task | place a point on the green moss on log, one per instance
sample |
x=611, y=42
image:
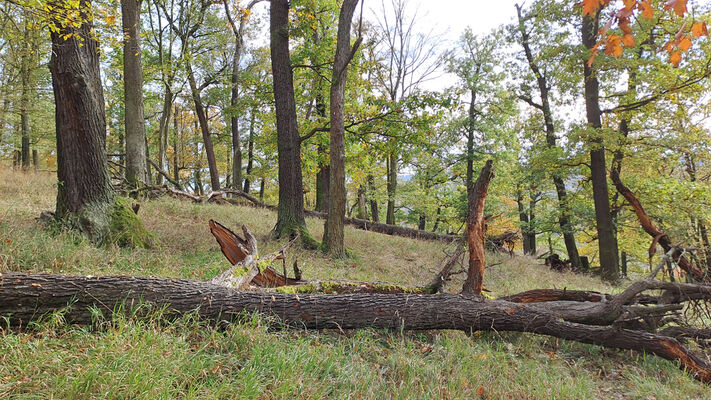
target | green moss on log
x=126, y=229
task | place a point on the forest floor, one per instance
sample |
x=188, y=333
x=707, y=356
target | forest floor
x=147, y=358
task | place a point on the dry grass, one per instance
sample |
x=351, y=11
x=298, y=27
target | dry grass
x=187, y=359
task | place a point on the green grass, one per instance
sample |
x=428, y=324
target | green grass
x=147, y=358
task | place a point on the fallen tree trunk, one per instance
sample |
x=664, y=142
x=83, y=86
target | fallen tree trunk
x=26, y=298
x=392, y=230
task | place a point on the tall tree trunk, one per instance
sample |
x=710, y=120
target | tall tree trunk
x=525, y=228
x=290, y=216
x=598, y=172
x=163, y=128
x=531, y=217
x=391, y=186
x=204, y=127
x=323, y=175
x=84, y=193
x=323, y=178
x=234, y=117
x=261, y=190
x=362, y=207
x=543, y=88
x=25, y=72
x=333, y=228
x=136, y=163
x=176, y=166
x=250, y=151
x=375, y=214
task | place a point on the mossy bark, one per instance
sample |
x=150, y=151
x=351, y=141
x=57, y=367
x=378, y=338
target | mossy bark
x=126, y=229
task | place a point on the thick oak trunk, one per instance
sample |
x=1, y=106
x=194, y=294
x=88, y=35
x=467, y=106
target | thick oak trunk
x=26, y=298
x=84, y=192
x=290, y=214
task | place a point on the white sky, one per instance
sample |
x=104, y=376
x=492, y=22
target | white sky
x=454, y=16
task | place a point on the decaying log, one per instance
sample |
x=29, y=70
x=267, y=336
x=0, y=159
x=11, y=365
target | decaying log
x=654, y=231
x=25, y=298
x=476, y=230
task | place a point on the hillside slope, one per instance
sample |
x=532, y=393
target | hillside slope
x=144, y=358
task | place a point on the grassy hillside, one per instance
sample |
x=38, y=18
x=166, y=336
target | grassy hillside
x=146, y=358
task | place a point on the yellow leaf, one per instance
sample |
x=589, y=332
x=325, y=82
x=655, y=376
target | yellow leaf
x=111, y=20
x=699, y=29
x=675, y=58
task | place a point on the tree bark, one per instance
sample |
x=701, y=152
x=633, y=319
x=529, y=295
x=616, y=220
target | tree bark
x=26, y=298
x=290, y=216
x=136, y=163
x=476, y=230
x=25, y=77
x=605, y=229
x=333, y=228
x=84, y=192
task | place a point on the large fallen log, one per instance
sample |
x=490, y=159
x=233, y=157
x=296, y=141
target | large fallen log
x=26, y=298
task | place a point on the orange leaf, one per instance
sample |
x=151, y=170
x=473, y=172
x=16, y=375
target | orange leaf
x=628, y=40
x=685, y=44
x=591, y=6
x=679, y=6
x=480, y=391
x=675, y=58
x=699, y=29
x=613, y=46
x=625, y=26
x=629, y=4
x=647, y=10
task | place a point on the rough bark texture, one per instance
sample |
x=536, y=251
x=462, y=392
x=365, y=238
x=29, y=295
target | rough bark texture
x=84, y=193
x=333, y=227
x=26, y=298
x=543, y=88
x=136, y=164
x=598, y=172
x=476, y=230
x=290, y=214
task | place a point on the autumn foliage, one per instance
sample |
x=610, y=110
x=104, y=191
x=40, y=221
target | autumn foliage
x=612, y=42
